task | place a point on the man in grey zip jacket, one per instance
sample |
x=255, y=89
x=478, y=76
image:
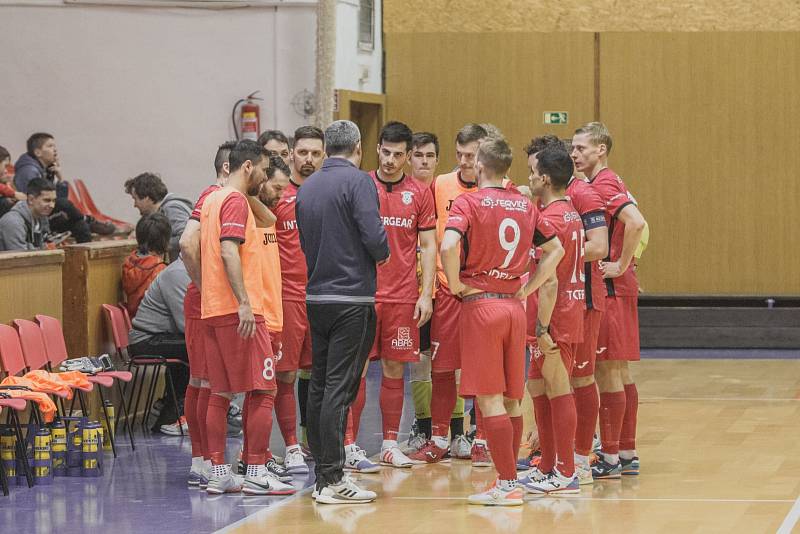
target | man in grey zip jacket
x=25, y=226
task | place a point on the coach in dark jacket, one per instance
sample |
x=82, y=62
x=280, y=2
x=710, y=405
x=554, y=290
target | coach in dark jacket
x=342, y=235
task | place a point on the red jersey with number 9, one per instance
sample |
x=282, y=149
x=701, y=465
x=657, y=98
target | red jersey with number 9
x=566, y=324
x=496, y=226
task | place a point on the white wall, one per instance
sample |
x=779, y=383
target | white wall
x=126, y=90
x=356, y=69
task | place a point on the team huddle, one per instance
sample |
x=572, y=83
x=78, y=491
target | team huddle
x=479, y=274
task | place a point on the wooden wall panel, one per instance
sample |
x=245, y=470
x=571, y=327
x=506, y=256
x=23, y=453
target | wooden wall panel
x=30, y=284
x=705, y=129
x=439, y=82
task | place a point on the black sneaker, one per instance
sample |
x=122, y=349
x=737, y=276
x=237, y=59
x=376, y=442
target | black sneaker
x=630, y=467
x=604, y=470
x=278, y=471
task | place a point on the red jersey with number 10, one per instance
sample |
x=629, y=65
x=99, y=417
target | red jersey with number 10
x=294, y=273
x=592, y=211
x=497, y=232
x=406, y=209
x=566, y=324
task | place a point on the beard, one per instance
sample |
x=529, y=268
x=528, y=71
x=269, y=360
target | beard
x=307, y=170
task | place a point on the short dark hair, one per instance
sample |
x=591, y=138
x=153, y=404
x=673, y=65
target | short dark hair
x=423, y=138
x=396, y=132
x=538, y=144
x=269, y=135
x=308, y=132
x=495, y=154
x=555, y=162
x=38, y=185
x=147, y=185
x=470, y=133
x=277, y=163
x=223, y=152
x=36, y=141
x=152, y=234
x=4, y=153
x=245, y=150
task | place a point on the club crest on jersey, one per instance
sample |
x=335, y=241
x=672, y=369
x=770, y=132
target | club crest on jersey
x=403, y=339
x=408, y=197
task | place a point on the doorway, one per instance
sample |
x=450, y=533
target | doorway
x=367, y=111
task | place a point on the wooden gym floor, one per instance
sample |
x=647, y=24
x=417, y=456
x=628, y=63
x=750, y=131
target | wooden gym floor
x=718, y=444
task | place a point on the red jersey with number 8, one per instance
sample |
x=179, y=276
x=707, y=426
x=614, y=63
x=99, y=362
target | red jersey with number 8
x=496, y=226
x=566, y=324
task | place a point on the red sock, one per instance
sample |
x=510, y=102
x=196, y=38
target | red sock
x=217, y=427
x=286, y=412
x=443, y=400
x=544, y=425
x=478, y=423
x=358, y=406
x=587, y=405
x=627, y=436
x=391, y=406
x=190, y=412
x=202, y=410
x=349, y=437
x=500, y=436
x=244, y=425
x=612, y=411
x=564, y=421
x=516, y=424
x=258, y=427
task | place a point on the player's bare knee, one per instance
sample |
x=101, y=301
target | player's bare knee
x=392, y=369
x=625, y=373
x=286, y=377
x=582, y=381
x=536, y=387
x=421, y=371
x=491, y=405
x=513, y=407
x=195, y=382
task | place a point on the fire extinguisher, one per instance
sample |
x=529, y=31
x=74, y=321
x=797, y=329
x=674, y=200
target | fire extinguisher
x=249, y=125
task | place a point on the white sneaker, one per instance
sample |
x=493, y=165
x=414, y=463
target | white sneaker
x=222, y=481
x=265, y=483
x=531, y=476
x=584, y=474
x=394, y=457
x=295, y=462
x=498, y=496
x=461, y=447
x=345, y=492
x=356, y=460
x=555, y=483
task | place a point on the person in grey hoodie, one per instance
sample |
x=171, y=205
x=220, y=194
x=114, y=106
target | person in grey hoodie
x=25, y=226
x=41, y=161
x=149, y=195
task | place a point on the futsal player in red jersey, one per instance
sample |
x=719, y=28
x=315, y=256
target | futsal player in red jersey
x=591, y=208
x=559, y=328
x=485, y=251
x=308, y=153
x=406, y=208
x=618, y=342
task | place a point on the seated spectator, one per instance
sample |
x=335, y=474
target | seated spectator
x=8, y=195
x=144, y=263
x=150, y=195
x=41, y=161
x=158, y=331
x=25, y=226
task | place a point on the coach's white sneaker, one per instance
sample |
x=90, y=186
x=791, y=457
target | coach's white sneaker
x=345, y=492
x=295, y=462
x=222, y=481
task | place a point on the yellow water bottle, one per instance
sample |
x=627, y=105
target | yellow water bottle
x=109, y=427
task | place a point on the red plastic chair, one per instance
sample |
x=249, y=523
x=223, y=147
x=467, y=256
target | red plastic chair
x=118, y=328
x=56, y=348
x=92, y=208
x=13, y=363
x=125, y=315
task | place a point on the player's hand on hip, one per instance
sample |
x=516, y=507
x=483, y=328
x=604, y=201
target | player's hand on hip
x=610, y=269
x=423, y=310
x=546, y=344
x=247, y=322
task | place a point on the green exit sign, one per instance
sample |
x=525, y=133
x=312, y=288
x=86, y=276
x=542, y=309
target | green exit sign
x=556, y=117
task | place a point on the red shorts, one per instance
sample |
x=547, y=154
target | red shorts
x=493, y=358
x=295, y=338
x=396, y=333
x=585, y=352
x=619, y=330
x=195, y=334
x=445, y=342
x=567, y=351
x=277, y=347
x=237, y=365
